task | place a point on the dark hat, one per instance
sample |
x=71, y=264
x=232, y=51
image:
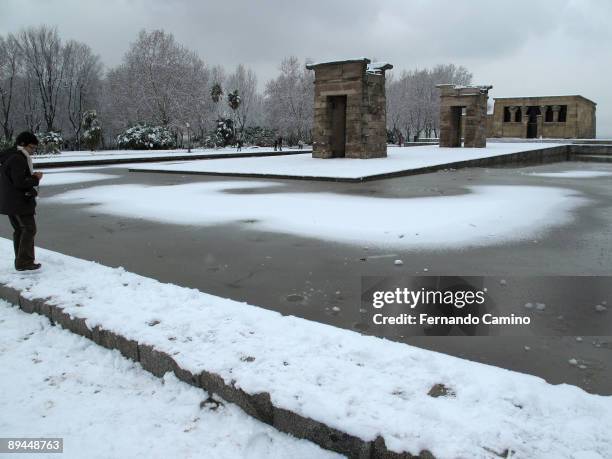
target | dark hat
x=26, y=138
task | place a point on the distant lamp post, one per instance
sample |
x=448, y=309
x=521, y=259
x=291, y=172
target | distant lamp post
x=188, y=138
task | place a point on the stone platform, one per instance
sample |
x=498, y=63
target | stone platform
x=399, y=162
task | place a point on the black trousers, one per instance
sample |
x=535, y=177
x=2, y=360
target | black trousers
x=24, y=227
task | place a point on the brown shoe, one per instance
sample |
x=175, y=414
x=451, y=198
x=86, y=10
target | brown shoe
x=32, y=267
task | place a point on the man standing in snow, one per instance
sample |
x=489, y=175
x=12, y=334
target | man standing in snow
x=18, y=197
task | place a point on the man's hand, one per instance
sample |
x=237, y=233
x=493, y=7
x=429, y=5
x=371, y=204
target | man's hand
x=38, y=175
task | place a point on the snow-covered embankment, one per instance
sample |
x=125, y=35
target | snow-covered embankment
x=350, y=393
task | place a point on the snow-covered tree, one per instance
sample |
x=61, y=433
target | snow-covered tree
x=82, y=80
x=45, y=84
x=46, y=59
x=413, y=101
x=31, y=105
x=216, y=93
x=234, y=102
x=10, y=68
x=289, y=100
x=161, y=82
x=244, y=81
x=92, y=131
x=441, y=74
x=49, y=142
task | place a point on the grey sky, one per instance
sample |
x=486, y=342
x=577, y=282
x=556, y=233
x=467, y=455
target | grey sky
x=522, y=47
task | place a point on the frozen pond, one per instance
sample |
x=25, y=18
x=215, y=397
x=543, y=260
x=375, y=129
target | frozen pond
x=248, y=242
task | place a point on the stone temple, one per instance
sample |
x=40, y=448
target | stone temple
x=350, y=111
x=561, y=117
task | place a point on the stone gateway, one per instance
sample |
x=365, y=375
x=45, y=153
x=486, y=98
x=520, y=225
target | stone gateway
x=350, y=117
x=453, y=125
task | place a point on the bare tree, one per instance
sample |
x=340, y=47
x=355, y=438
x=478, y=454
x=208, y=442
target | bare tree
x=45, y=60
x=413, y=101
x=10, y=67
x=118, y=109
x=82, y=79
x=244, y=81
x=394, y=104
x=31, y=106
x=442, y=74
x=290, y=100
x=161, y=82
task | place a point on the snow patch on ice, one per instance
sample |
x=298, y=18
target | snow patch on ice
x=66, y=178
x=484, y=215
x=571, y=174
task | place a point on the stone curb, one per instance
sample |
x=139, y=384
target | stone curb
x=257, y=405
x=101, y=162
x=524, y=158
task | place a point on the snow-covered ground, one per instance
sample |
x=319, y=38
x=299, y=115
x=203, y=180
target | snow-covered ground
x=85, y=156
x=482, y=215
x=363, y=385
x=56, y=384
x=398, y=159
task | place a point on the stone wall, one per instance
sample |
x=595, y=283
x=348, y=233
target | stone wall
x=374, y=109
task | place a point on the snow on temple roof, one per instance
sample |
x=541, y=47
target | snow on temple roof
x=341, y=61
x=378, y=67
x=372, y=67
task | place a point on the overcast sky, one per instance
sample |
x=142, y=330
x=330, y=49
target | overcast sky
x=521, y=47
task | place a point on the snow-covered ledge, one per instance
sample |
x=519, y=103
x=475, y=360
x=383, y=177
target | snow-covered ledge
x=358, y=395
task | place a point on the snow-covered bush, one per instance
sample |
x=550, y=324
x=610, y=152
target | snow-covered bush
x=92, y=131
x=225, y=132
x=210, y=141
x=49, y=142
x=260, y=136
x=6, y=143
x=144, y=137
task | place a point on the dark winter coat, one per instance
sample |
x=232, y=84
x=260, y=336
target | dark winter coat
x=17, y=193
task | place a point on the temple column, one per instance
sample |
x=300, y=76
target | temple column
x=556, y=109
x=513, y=110
x=541, y=119
x=524, y=114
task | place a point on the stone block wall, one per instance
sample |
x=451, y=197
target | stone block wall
x=365, y=129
